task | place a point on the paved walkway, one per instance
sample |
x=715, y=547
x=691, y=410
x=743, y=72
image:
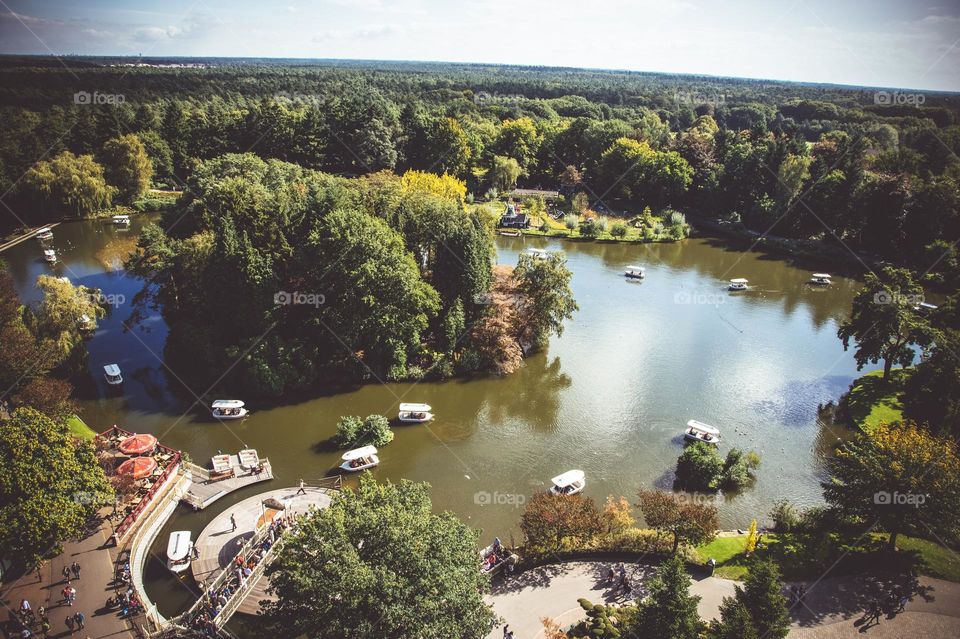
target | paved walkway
x=833, y=608
x=95, y=555
x=219, y=542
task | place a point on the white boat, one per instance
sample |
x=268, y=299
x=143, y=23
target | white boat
x=249, y=458
x=179, y=549
x=44, y=234
x=737, y=284
x=925, y=307
x=228, y=409
x=539, y=254
x=634, y=272
x=360, y=459
x=121, y=220
x=820, y=279
x=221, y=463
x=700, y=432
x=50, y=255
x=569, y=483
x=87, y=323
x=415, y=413
x=112, y=374
x=495, y=557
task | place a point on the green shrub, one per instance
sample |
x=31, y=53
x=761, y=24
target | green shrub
x=619, y=229
x=571, y=222
x=352, y=432
x=700, y=467
x=784, y=515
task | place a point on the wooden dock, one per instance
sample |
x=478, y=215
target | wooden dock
x=205, y=490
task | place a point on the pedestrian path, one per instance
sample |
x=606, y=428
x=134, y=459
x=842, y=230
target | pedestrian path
x=95, y=556
x=832, y=608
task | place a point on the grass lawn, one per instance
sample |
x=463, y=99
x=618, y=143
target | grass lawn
x=926, y=557
x=871, y=402
x=80, y=429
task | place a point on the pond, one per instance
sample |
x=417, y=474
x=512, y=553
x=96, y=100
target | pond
x=610, y=397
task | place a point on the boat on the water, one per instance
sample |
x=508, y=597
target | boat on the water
x=738, y=284
x=495, y=557
x=820, y=279
x=634, y=272
x=569, y=483
x=228, y=409
x=44, y=234
x=539, y=254
x=415, y=413
x=179, y=549
x=121, y=220
x=700, y=432
x=49, y=255
x=111, y=372
x=360, y=459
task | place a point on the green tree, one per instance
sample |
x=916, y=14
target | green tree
x=69, y=181
x=699, y=467
x=504, y=173
x=735, y=622
x=685, y=520
x=518, y=139
x=882, y=321
x=762, y=596
x=543, y=285
x=51, y=484
x=59, y=316
x=379, y=563
x=898, y=477
x=127, y=166
x=669, y=611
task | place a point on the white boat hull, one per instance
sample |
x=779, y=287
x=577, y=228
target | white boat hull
x=240, y=415
x=345, y=466
x=410, y=419
x=693, y=438
x=573, y=491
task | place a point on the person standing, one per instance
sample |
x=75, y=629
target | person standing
x=233, y=522
x=75, y=569
x=70, y=621
x=302, y=490
x=80, y=619
x=45, y=626
x=66, y=572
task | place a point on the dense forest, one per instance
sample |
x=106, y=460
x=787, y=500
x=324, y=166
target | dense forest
x=353, y=182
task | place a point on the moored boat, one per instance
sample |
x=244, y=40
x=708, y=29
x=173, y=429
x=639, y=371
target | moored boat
x=44, y=234
x=495, y=557
x=111, y=372
x=179, y=549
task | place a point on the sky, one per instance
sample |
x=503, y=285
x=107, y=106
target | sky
x=887, y=43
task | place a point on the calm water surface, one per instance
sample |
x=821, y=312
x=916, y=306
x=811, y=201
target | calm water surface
x=610, y=396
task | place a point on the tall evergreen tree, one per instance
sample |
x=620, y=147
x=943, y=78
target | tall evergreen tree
x=669, y=612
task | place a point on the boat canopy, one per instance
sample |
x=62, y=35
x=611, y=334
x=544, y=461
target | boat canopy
x=927, y=306
x=121, y=218
x=359, y=453
x=179, y=545
x=537, y=252
x=45, y=229
x=49, y=252
x=112, y=370
x=568, y=478
x=739, y=280
x=227, y=403
x=703, y=428
x=822, y=276
x=414, y=408
x=249, y=457
x=220, y=463
x=634, y=268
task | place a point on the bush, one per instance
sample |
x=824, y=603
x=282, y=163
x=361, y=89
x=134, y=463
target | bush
x=784, y=515
x=571, y=222
x=675, y=218
x=700, y=467
x=619, y=229
x=594, y=227
x=492, y=194
x=352, y=432
x=738, y=468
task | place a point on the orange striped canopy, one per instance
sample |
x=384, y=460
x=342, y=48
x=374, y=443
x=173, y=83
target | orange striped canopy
x=139, y=467
x=138, y=444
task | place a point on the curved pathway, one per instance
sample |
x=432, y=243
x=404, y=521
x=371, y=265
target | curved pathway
x=832, y=609
x=219, y=542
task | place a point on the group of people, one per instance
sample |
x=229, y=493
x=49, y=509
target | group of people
x=496, y=555
x=893, y=603
x=215, y=599
x=27, y=622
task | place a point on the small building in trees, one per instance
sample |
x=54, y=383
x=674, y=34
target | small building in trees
x=513, y=219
